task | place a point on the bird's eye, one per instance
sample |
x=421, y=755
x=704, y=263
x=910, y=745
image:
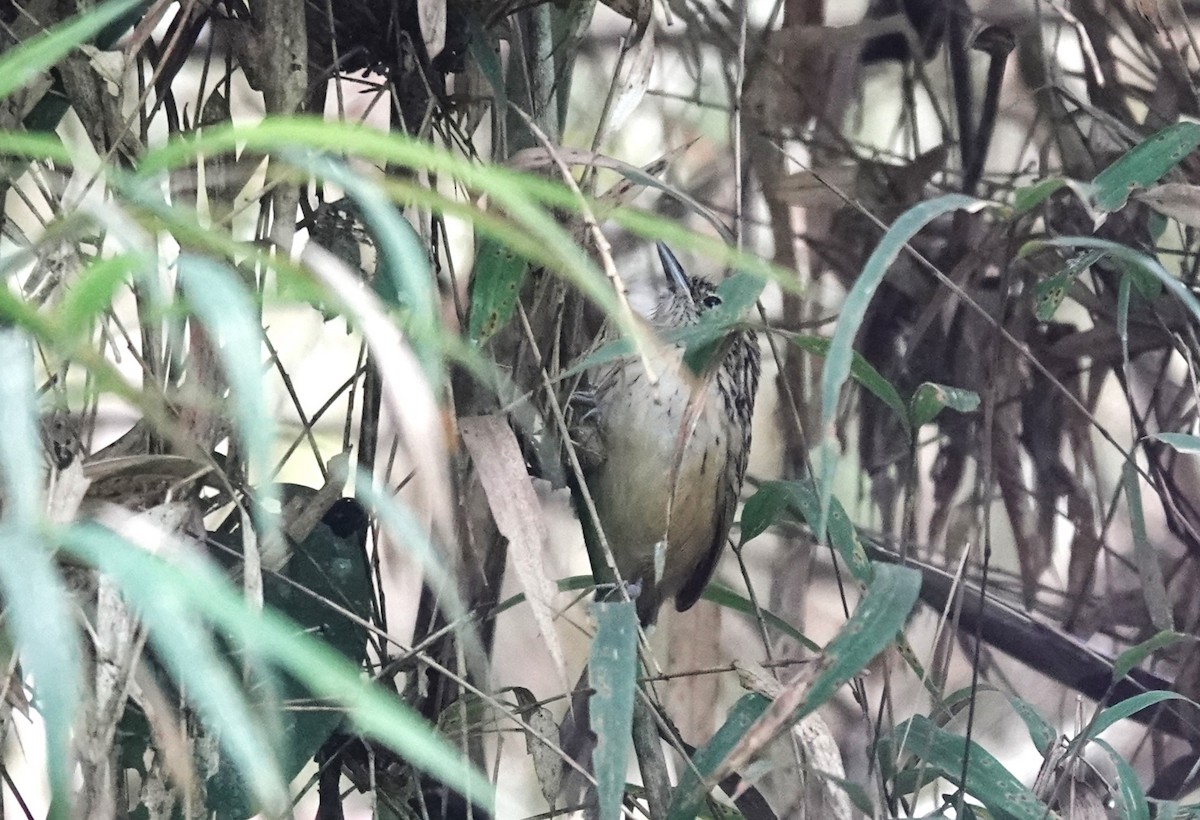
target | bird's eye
x=711, y=301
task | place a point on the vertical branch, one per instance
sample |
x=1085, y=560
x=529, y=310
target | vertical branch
x=281, y=41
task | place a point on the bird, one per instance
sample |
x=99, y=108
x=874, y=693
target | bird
x=670, y=456
x=672, y=450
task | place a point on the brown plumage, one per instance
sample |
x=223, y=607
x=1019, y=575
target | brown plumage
x=671, y=459
x=673, y=453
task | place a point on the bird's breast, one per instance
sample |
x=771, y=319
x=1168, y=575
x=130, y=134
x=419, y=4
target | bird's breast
x=666, y=453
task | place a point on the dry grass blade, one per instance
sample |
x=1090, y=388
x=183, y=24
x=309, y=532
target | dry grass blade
x=514, y=504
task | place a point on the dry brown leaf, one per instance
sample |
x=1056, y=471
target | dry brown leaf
x=547, y=763
x=514, y=504
x=820, y=796
x=633, y=78
x=1177, y=200
x=639, y=12
x=786, y=700
x=300, y=519
x=115, y=649
x=1152, y=10
x=431, y=14
x=823, y=188
x=66, y=492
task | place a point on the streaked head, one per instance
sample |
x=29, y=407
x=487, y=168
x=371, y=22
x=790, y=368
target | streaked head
x=686, y=298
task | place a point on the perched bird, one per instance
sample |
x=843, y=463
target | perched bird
x=672, y=453
x=670, y=459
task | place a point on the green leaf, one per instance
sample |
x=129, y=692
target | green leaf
x=726, y=597
x=94, y=291
x=200, y=590
x=1134, y=655
x=854, y=310
x=875, y=623
x=1131, y=798
x=38, y=612
x=534, y=229
x=930, y=399
x=189, y=654
x=324, y=587
x=219, y=300
x=1180, y=442
x=1041, y=732
x=33, y=146
x=703, y=340
x=1154, y=589
x=688, y=796
x=862, y=372
x=986, y=778
x=1124, y=289
x=1027, y=198
x=1144, y=164
x=880, y=615
x=406, y=276
x=20, y=65
x=1131, y=706
x=1048, y=294
x=798, y=497
x=1145, y=264
x=495, y=285
x=612, y=670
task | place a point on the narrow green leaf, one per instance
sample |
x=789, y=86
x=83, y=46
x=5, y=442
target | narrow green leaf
x=726, y=597
x=1126, y=708
x=763, y=509
x=327, y=569
x=987, y=780
x=93, y=292
x=1145, y=164
x=798, y=497
x=1041, y=732
x=875, y=623
x=1146, y=264
x=1171, y=810
x=862, y=372
x=190, y=655
x=1134, y=655
x=1154, y=589
x=508, y=191
x=495, y=285
x=219, y=300
x=688, y=794
x=612, y=669
x=1180, y=442
x=1027, y=198
x=854, y=310
x=1049, y=293
x=20, y=65
x=1131, y=798
x=407, y=278
x=880, y=615
x=34, y=146
x=38, y=612
x=704, y=340
x=930, y=399
x=1123, y=292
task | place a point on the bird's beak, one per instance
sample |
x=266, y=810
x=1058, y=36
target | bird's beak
x=677, y=280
